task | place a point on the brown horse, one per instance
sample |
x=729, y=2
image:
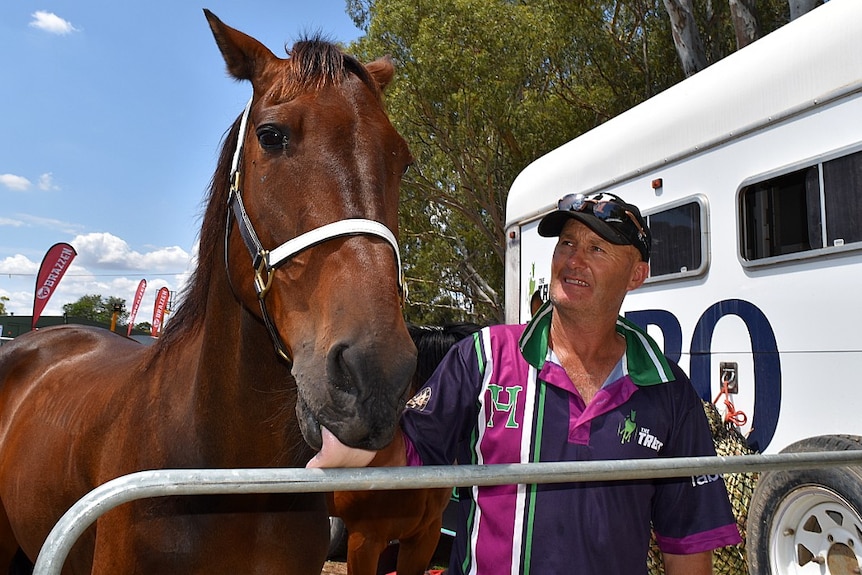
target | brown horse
x=412, y=516
x=314, y=152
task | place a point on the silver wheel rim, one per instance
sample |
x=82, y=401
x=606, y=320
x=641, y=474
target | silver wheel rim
x=815, y=531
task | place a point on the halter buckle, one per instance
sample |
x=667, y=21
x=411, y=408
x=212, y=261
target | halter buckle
x=262, y=275
x=234, y=186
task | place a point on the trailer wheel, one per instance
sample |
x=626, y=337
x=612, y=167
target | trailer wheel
x=808, y=521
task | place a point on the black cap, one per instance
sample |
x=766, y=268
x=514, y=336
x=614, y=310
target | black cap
x=606, y=214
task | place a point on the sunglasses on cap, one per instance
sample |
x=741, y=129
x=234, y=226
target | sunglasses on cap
x=605, y=210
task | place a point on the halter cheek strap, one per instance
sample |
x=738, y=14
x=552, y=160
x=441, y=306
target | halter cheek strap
x=265, y=262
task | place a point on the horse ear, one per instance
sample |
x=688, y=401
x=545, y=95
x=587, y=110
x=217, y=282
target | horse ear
x=245, y=57
x=382, y=70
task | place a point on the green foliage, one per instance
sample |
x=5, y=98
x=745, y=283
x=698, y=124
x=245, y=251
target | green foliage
x=96, y=308
x=484, y=87
x=3, y=300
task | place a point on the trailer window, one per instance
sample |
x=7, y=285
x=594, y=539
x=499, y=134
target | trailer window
x=808, y=209
x=677, y=241
x=842, y=180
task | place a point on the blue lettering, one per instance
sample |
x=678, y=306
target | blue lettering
x=767, y=364
x=667, y=323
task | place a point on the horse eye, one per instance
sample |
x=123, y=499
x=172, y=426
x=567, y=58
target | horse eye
x=271, y=138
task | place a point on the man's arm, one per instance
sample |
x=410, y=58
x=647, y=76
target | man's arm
x=694, y=564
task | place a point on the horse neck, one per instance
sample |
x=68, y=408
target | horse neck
x=244, y=394
x=232, y=345
x=393, y=455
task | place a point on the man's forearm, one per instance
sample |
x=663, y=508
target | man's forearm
x=694, y=564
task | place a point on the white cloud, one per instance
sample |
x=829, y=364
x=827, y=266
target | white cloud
x=18, y=264
x=46, y=182
x=13, y=182
x=51, y=23
x=10, y=223
x=21, y=184
x=50, y=223
x=104, y=250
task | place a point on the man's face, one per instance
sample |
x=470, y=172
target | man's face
x=590, y=275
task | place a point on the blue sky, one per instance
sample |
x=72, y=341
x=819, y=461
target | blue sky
x=112, y=117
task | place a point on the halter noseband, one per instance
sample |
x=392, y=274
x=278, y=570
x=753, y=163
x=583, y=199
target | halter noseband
x=265, y=262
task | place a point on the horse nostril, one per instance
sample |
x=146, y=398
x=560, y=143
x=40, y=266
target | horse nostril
x=338, y=369
x=365, y=375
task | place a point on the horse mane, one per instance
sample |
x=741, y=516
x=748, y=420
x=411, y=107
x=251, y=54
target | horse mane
x=210, y=247
x=313, y=64
x=433, y=342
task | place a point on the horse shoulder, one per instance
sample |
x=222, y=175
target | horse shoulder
x=65, y=385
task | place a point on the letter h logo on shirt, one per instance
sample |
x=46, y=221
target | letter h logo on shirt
x=497, y=405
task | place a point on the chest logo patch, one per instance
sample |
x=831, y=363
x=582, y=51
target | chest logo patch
x=627, y=427
x=420, y=401
x=628, y=430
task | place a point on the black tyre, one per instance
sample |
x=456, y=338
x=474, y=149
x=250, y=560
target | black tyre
x=808, y=521
x=337, y=539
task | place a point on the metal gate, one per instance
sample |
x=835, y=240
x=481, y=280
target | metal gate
x=160, y=483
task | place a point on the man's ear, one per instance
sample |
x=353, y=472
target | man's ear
x=640, y=272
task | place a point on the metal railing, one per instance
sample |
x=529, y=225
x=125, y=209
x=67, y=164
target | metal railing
x=165, y=482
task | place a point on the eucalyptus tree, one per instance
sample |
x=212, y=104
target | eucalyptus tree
x=483, y=87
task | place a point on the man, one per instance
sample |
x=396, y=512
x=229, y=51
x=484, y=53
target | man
x=577, y=383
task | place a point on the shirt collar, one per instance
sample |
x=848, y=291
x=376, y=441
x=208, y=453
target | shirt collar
x=645, y=362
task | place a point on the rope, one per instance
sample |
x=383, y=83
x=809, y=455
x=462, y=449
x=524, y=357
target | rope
x=731, y=414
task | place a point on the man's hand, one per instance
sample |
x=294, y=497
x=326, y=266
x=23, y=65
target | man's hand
x=694, y=564
x=333, y=453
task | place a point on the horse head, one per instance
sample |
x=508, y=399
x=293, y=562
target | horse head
x=310, y=245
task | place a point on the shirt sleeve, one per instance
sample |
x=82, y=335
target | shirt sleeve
x=691, y=514
x=440, y=417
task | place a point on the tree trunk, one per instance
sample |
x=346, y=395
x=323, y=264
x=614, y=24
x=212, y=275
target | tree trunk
x=800, y=7
x=686, y=38
x=744, y=22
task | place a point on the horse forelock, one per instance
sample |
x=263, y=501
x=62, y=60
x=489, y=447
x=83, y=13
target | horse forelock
x=315, y=63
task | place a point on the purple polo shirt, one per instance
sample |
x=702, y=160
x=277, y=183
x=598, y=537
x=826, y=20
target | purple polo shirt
x=496, y=398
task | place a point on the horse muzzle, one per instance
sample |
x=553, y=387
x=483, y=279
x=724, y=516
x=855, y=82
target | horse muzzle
x=360, y=401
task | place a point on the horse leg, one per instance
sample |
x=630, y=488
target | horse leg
x=415, y=553
x=363, y=553
x=8, y=544
x=417, y=548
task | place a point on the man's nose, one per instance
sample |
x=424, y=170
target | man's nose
x=575, y=257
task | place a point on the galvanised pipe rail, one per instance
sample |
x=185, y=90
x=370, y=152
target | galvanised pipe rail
x=164, y=482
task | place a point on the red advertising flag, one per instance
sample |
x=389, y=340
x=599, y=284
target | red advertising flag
x=139, y=295
x=159, y=311
x=55, y=263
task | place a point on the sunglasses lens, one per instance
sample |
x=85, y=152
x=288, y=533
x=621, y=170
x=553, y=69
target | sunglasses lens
x=605, y=210
x=571, y=202
x=616, y=215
